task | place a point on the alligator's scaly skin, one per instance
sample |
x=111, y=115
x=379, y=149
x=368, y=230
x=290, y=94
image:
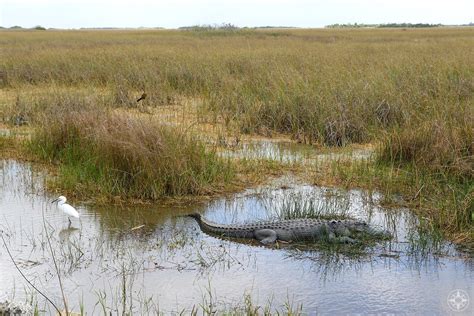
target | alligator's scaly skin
x=344, y=231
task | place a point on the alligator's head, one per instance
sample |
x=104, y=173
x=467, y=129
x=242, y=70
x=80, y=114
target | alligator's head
x=361, y=227
x=374, y=231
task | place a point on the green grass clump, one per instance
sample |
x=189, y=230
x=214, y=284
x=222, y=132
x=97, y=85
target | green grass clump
x=300, y=205
x=442, y=200
x=108, y=154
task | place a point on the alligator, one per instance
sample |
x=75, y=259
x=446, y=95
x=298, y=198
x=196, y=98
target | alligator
x=269, y=232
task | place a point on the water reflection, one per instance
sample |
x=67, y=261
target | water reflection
x=66, y=233
x=160, y=258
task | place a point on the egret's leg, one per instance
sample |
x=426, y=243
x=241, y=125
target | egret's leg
x=69, y=222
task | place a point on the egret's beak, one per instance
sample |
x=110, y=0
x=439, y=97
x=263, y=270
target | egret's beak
x=54, y=201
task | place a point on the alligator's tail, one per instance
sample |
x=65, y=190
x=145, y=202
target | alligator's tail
x=221, y=229
x=196, y=216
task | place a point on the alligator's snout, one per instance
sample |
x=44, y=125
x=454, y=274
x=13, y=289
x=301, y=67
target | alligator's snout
x=376, y=231
x=380, y=232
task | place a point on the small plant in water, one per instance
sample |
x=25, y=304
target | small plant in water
x=305, y=205
x=425, y=239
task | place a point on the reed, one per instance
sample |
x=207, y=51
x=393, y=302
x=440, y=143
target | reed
x=108, y=154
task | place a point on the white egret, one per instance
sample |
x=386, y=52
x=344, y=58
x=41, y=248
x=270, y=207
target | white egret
x=66, y=208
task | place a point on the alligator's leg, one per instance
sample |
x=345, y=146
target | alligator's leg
x=332, y=237
x=346, y=240
x=341, y=239
x=266, y=236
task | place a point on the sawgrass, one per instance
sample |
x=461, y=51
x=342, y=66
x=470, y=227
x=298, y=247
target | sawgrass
x=104, y=155
x=325, y=86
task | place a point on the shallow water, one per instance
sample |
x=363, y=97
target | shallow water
x=290, y=152
x=108, y=262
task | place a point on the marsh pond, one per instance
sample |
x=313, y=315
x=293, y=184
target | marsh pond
x=152, y=259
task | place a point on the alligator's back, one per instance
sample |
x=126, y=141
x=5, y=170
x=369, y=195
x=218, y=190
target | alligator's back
x=285, y=229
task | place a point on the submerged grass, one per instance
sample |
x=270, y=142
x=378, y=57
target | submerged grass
x=108, y=154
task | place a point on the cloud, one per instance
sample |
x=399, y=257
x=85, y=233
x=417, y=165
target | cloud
x=167, y=13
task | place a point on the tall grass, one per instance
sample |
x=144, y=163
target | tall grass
x=432, y=160
x=108, y=154
x=322, y=86
x=441, y=146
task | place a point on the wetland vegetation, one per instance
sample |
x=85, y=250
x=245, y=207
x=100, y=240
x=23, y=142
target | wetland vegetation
x=409, y=92
x=385, y=110
x=121, y=155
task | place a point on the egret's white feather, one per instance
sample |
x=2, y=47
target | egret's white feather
x=69, y=210
x=66, y=208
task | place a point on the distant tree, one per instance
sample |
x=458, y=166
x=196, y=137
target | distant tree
x=39, y=28
x=16, y=27
x=409, y=25
x=211, y=27
x=385, y=25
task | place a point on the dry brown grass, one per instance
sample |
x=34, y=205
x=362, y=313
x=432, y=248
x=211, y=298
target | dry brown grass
x=109, y=154
x=435, y=146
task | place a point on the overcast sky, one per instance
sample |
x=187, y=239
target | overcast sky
x=172, y=14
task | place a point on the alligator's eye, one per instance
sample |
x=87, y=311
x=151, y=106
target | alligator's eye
x=333, y=222
x=364, y=223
